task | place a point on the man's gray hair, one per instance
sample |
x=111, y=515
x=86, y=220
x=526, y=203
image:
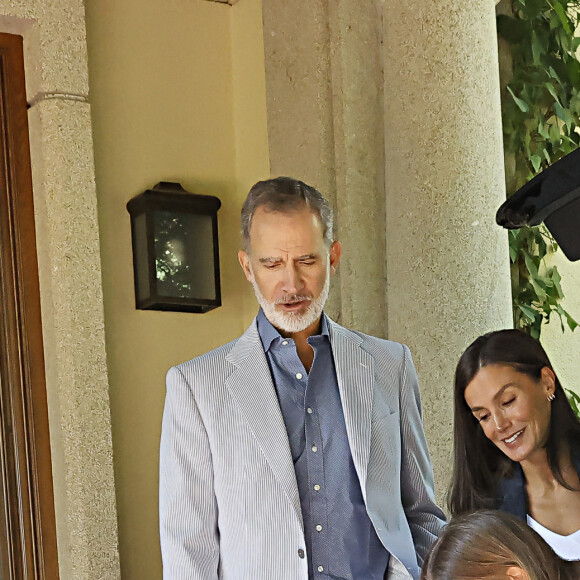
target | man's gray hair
x=286, y=195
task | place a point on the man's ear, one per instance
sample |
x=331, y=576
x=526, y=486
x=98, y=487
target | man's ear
x=334, y=255
x=244, y=260
x=516, y=573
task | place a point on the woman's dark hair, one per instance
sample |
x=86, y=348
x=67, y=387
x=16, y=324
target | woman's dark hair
x=485, y=544
x=478, y=464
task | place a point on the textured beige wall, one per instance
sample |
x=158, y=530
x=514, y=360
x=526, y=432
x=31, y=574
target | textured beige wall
x=325, y=123
x=55, y=43
x=447, y=261
x=177, y=93
x=70, y=282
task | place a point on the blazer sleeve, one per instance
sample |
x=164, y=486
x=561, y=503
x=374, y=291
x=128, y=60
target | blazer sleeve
x=417, y=486
x=187, y=505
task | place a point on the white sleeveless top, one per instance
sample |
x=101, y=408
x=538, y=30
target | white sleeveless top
x=567, y=547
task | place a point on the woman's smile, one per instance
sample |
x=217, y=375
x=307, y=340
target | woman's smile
x=512, y=408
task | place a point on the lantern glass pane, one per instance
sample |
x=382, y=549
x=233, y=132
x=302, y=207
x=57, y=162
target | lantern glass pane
x=141, y=256
x=184, y=255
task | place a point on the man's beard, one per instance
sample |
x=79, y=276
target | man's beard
x=293, y=322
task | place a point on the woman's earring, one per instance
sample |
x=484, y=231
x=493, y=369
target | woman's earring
x=551, y=396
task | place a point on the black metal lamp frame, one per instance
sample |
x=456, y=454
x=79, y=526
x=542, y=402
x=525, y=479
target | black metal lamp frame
x=170, y=199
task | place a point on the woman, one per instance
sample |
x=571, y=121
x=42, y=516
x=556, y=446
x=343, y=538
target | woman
x=516, y=439
x=493, y=544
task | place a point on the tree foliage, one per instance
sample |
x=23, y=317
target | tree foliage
x=541, y=120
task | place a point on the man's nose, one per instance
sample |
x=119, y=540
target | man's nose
x=292, y=282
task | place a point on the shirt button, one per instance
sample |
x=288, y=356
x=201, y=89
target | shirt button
x=301, y=553
x=319, y=528
x=316, y=487
x=284, y=342
x=314, y=448
x=298, y=376
x=320, y=568
x=309, y=411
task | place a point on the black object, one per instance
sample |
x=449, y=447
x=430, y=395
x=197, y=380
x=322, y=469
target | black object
x=175, y=249
x=552, y=197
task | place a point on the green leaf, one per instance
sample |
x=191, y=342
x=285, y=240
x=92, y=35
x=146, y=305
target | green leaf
x=541, y=294
x=523, y=106
x=552, y=91
x=556, y=279
x=547, y=156
x=536, y=161
x=553, y=74
x=555, y=133
x=561, y=12
x=561, y=313
x=543, y=131
x=574, y=401
x=535, y=328
x=542, y=247
x=572, y=324
x=574, y=103
x=528, y=312
x=537, y=48
x=563, y=114
x=565, y=42
x=532, y=268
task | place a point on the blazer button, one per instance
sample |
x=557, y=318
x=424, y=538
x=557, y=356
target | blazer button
x=301, y=553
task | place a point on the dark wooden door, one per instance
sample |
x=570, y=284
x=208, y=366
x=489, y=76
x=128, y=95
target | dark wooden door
x=27, y=526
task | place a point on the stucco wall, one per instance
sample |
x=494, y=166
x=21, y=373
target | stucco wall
x=177, y=94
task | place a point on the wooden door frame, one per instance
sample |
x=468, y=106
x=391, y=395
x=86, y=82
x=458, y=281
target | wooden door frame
x=28, y=545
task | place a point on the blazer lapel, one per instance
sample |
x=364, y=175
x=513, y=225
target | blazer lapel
x=252, y=388
x=355, y=374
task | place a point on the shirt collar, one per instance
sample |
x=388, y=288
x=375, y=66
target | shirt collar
x=268, y=334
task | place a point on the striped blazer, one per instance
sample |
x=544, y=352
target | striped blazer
x=229, y=504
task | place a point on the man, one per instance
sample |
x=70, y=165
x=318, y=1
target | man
x=296, y=451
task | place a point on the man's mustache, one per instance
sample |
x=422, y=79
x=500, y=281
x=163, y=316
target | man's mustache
x=292, y=299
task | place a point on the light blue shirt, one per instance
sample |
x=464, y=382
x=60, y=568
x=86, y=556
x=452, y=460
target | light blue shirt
x=341, y=541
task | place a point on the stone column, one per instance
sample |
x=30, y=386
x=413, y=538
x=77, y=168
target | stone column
x=324, y=88
x=69, y=269
x=447, y=261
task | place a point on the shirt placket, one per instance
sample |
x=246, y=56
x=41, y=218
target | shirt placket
x=316, y=484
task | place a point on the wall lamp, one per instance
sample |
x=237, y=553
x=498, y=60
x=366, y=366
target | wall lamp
x=175, y=249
